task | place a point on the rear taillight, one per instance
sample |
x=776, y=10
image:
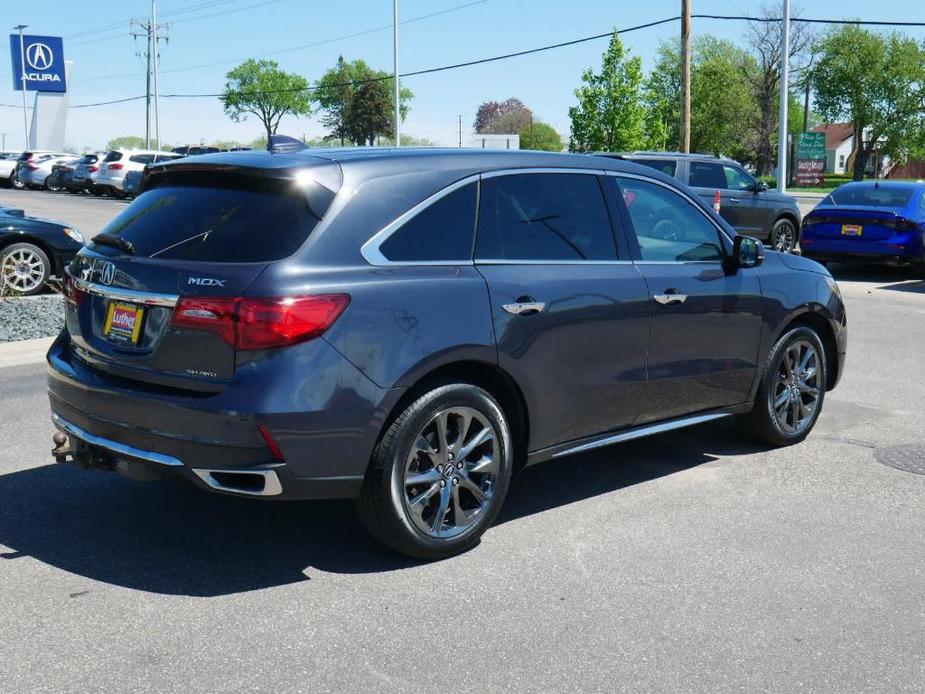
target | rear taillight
x=93, y=169
x=115, y=167
x=261, y=323
x=71, y=292
x=903, y=224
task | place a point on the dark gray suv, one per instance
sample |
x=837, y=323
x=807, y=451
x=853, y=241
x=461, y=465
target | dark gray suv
x=745, y=202
x=410, y=328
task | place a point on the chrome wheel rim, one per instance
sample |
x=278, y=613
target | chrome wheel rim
x=795, y=397
x=785, y=237
x=451, y=472
x=22, y=270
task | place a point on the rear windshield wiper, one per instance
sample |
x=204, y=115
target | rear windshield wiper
x=126, y=247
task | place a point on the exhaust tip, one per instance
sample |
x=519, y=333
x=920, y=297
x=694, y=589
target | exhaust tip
x=249, y=482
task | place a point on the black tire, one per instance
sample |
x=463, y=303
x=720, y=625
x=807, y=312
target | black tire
x=15, y=182
x=785, y=236
x=27, y=250
x=383, y=505
x=762, y=422
x=53, y=183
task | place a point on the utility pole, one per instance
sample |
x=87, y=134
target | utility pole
x=22, y=70
x=685, y=75
x=784, y=93
x=460, y=131
x=395, y=72
x=148, y=30
x=808, y=79
x=3, y=147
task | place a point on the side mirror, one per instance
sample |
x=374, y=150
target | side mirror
x=746, y=252
x=761, y=186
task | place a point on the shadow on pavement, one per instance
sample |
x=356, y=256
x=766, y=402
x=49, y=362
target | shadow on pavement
x=894, y=279
x=172, y=538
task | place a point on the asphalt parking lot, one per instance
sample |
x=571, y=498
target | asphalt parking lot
x=694, y=561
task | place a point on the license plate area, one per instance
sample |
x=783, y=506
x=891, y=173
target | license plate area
x=123, y=323
x=852, y=229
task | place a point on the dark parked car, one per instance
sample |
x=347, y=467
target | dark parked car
x=409, y=328
x=61, y=176
x=873, y=222
x=86, y=171
x=130, y=183
x=32, y=250
x=745, y=202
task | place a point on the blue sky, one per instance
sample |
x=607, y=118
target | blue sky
x=106, y=65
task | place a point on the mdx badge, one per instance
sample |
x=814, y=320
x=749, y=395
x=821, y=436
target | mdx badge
x=206, y=282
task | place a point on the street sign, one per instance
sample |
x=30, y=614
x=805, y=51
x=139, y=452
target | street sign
x=44, y=63
x=811, y=146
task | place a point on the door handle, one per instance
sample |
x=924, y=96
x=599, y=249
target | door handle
x=524, y=306
x=671, y=296
x=731, y=200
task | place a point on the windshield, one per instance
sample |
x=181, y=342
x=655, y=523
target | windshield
x=876, y=195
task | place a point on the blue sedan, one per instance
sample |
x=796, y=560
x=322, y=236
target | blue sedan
x=880, y=222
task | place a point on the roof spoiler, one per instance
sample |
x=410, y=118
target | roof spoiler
x=281, y=144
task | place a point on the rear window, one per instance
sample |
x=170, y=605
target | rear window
x=113, y=156
x=873, y=195
x=666, y=166
x=259, y=222
x=88, y=159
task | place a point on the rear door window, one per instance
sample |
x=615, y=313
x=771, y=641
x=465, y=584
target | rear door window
x=257, y=223
x=443, y=231
x=706, y=175
x=550, y=217
x=142, y=158
x=666, y=166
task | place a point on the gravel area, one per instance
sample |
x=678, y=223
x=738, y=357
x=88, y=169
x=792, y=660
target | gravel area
x=28, y=317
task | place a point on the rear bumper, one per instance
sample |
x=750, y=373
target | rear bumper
x=209, y=441
x=892, y=251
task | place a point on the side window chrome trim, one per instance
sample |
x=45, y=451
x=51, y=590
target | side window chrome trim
x=372, y=253
x=680, y=193
x=502, y=261
x=371, y=249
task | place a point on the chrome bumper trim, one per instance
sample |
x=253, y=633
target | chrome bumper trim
x=114, y=446
x=130, y=295
x=271, y=484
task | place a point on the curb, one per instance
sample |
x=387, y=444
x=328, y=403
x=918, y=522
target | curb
x=22, y=352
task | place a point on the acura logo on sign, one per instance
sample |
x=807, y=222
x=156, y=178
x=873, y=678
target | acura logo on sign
x=39, y=56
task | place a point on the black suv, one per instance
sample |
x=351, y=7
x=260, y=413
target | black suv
x=745, y=202
x=410, y=327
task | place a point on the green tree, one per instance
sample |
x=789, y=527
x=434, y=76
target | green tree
x=877, y=82
x=262, y=89
x=541, y=136
x=609, y=115
x=661, y=95
x=128, y=142
x=356, y=102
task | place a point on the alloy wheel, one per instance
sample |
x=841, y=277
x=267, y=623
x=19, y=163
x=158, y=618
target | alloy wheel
x=785, y=237
x=451, y=472
x=22, y=270
x=795, y=396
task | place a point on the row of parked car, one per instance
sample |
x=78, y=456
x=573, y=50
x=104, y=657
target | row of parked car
x=116, y=172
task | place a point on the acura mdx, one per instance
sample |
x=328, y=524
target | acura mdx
x=409, y=328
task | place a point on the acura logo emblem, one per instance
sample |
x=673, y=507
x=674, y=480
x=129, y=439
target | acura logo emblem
x=107, y=273
x=39, y=56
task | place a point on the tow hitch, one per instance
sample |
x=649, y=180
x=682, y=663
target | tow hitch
x=87, y=457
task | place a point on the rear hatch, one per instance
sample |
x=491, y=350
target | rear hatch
x=860, y=212
x=153, y=298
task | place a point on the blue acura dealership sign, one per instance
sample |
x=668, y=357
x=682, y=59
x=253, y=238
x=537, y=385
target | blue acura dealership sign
x=44, y=63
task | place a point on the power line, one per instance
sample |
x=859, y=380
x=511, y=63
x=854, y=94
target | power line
x=515, y=54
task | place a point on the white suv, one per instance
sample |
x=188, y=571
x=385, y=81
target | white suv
x=119, y=162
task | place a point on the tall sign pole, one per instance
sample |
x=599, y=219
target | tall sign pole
x=22, y=65
x=397, y=87
x=157, y=88
x=685, y=75
x=784, y=94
